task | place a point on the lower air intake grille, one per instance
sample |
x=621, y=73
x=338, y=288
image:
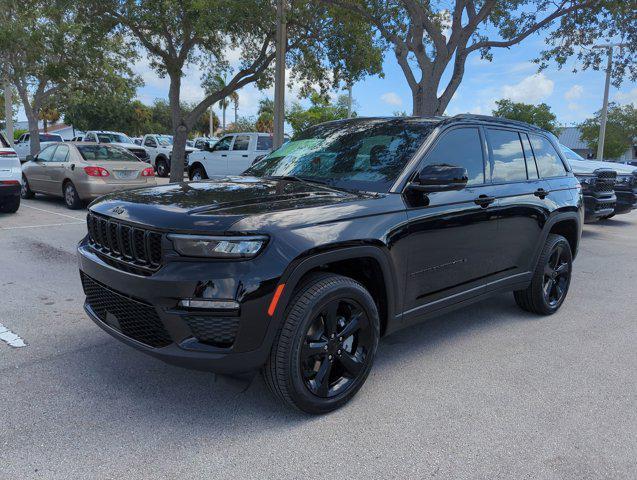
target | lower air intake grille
x=134, y=319
x=218, y=331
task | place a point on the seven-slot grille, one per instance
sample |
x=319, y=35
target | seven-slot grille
x=135, y=319
x=128, y=248
x=605, y=181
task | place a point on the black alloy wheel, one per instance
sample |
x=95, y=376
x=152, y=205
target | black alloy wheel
x=326, y=344
x=551, y=278
x=335, y=348
x=557, y=274
x=162, y=168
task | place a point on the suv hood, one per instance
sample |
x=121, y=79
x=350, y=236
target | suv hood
x=589, y=166
x=218, y=203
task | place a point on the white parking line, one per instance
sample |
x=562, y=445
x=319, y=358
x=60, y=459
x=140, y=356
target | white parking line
x=10, y=338
x=40, y=226
x=54, y=213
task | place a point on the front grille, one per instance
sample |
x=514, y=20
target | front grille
x=217, y=331
x=132, y=249
x=139, y=153
x=605, y=180
x=135, y=319
x=604, y=205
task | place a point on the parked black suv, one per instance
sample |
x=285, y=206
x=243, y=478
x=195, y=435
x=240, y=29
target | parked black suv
x=352, y=230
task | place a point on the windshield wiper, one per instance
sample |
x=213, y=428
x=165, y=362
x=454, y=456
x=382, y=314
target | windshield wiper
x=296, y=178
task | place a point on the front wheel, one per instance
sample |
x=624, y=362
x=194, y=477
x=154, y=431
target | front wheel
x=162, y=168
x=551, y=278
x=325, y=348
x=197, y=173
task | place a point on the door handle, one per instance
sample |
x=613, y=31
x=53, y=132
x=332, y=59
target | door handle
x=540, y=192
x=244, y=156
x=224, y=155
x=484, y=200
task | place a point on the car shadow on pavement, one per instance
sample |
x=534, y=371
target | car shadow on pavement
x=131, y=385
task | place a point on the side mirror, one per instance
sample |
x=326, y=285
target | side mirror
x=31, y=158
x=440, y=178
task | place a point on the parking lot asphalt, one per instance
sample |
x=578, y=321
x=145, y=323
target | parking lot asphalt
x=486, y=392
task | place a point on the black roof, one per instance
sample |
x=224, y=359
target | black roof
x=442, y=120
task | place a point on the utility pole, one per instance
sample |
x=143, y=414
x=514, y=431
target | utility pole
x=279, y=75
x=602, y=123
x=8, y=111
x=349, y=100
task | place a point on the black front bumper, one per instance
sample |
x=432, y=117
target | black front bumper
x=626, y=201
x=142, y=312
x=597, y=206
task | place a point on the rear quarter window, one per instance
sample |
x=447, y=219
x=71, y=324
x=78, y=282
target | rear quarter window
x=549, y=163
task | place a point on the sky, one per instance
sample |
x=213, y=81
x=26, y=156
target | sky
x=573, y=97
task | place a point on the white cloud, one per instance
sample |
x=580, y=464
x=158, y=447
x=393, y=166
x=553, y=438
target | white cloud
x=574, y=92
x=627, y=97
x=531, y=89
x=391, y=98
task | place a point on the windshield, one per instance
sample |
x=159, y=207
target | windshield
x=106, y=153
x=570, y=154
x=361, y=154
x=47, y=137
x=165, y=140
x=113, y=137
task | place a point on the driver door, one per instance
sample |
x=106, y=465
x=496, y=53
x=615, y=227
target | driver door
x=216, y=161
x=450, y=233
x=37, y=172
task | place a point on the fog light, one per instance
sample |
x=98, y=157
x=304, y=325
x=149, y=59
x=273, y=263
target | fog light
x=209, y=304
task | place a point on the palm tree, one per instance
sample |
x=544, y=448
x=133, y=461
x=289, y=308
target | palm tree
x=49, y=114
x=223, y=104
x=234, y=96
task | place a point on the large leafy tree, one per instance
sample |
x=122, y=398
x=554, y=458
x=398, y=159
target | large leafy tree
x=321, y=110
x=539, y=115
x=432, y=40
x=49, y=48
x=621, y=130
x=176, y=34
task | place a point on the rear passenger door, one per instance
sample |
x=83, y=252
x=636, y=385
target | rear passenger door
x=522, y=202
x=241, y=155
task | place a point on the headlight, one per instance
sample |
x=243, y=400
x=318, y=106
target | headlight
x=586, y=180
x=218, y=247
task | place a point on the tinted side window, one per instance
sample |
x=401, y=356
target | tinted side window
x=46, y=154
x=548, y=161
x=531, y=168
x=507, y=158
x=461, y=147
x=150, y=142
x=60, y=154
x=241, y=142
x=223, y=144
x=264, y=143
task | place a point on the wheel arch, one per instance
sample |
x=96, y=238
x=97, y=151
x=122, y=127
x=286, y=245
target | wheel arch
x=373, y=269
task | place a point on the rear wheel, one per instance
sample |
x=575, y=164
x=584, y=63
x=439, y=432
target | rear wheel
x=197, y=173
x=326, y=345
x=162, y=167
x=551, y=279
x=71, y=197
x=10, y=205
x=25, y=190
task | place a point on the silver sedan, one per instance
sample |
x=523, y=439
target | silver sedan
x=83, y=171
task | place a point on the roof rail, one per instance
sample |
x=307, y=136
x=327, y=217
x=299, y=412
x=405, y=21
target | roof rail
x=491, y=119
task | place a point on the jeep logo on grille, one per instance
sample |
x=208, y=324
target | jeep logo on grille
x=118, y=210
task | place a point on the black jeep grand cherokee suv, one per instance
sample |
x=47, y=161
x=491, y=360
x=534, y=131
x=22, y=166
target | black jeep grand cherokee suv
x=350, y=231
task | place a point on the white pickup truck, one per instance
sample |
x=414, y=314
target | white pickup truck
x=231, y=155
x=118, y=139
x=160, y=149
x=22, y=145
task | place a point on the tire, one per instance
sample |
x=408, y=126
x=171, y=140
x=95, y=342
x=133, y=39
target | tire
x=71, y=197
x=10, y=205
x=304, y=350
x=553, y=274
x=25, y=190
x=162, y=167
x=197, y=173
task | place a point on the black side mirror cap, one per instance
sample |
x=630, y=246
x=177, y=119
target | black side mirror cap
x=440, y=178
x=30, y=158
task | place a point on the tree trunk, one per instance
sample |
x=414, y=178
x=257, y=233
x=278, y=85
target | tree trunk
x=425, y=100
x=179, y=154
x=235, y=114
x=223, y=129
x=32, y=111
